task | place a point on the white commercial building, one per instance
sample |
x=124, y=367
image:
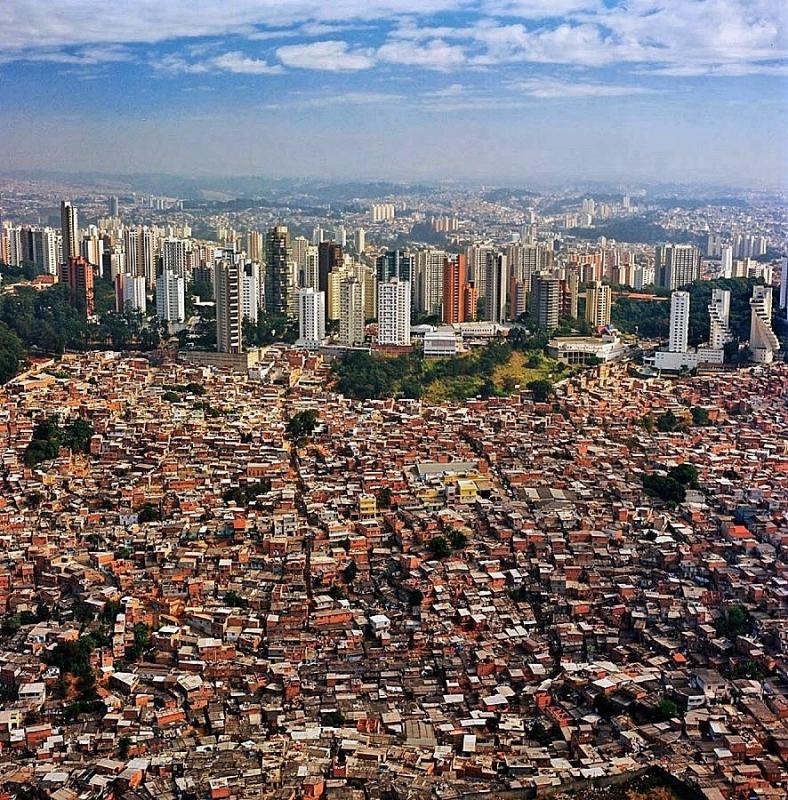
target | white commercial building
x=429, y=280
x=171, y=297
x=726, y=262
x=394, y=312
x=679, y=322
x=173, y=256
x=251, y=291
x=311, y=317
x=582, y=349
x=441, y=343
x=134, y=293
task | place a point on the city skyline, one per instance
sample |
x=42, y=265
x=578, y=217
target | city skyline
x=478, y=91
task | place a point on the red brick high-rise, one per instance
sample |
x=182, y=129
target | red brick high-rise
x=454, y=289
x=77, y=274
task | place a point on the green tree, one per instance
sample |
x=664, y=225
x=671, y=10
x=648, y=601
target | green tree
x=439, y=547
x=686, y=475
x=383, y=497
x=668, y=422
x=124, y=745
x=457, y=539
x=301, y=425
x=234, y=600
x=541, y=389
x=667, y=709
x=349, y=572
x=12, y=351
x=700, y=416
x=665, y=488
x=141, y=642
x=149, y=513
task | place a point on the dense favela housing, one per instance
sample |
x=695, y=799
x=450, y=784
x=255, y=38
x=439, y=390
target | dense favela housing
x=228, y=586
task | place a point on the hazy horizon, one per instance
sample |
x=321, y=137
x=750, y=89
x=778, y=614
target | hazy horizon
x=398, y=90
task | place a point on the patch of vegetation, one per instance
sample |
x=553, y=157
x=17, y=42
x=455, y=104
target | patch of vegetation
x=667, y=709
x=268, y=329
x=488, y=372
x=149, y=513
x=734, y=622
x=665, y=488
x=49, y=437
x=700, y=416
x=210, y=411
x=670, y=423
x=234, y=600
x=141, y=642
x=12, y=353
x=350, y=572
x=243, y=495
x=301, y=425
x=672, y=488
x=383, y=497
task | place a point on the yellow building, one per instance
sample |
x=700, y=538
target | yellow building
x=466, y=490
x=367, y=506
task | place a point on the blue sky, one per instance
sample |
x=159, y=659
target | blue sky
x=490, y=90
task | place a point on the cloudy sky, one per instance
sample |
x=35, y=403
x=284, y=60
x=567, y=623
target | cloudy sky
x=490, y=90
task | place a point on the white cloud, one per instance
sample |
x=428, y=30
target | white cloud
x=346, y=98
x=241, y=64
x=331, y=55
x=557, y=89
x=719, y=70
x=433, y=54
x=234, y=62
x=82, y=57
x=538, y=9
x=33, y=23
x=674, y=37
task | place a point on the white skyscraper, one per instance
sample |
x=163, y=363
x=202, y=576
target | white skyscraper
x=784, y=286
x=170, y=297
x=251, y=291
x=763, y=341
x=351, y=312
x=310, y=275
x=173, y=256
x=679, y=322
x=311, y=317
x=134, y=293
x=719, y=318
x=726, y=262
x=47, y=250
x=69, y=226
x=394, y=312
x=360, y=240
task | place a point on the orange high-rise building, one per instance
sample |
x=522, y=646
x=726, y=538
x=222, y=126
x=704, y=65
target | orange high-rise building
x=454, y=289
x=77, y=274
